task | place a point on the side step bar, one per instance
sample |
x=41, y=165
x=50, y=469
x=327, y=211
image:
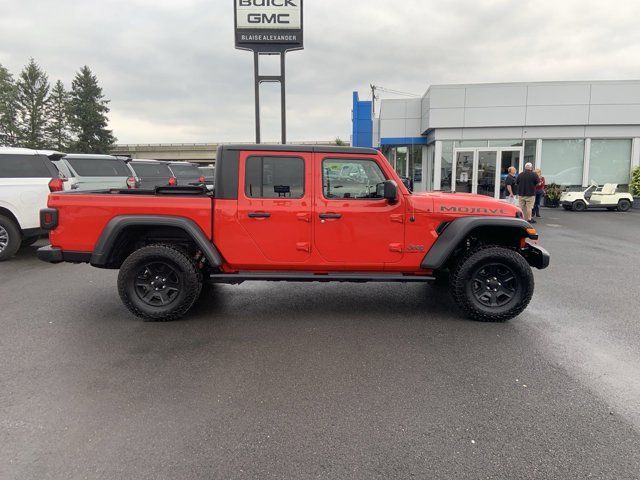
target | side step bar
x=235, y=278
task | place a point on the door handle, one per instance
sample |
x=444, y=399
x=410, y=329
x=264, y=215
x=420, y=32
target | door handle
x=259, y=215
x=335, y=216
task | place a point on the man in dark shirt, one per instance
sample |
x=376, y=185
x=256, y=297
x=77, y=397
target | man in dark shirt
x=526, y=188
x=510, y=185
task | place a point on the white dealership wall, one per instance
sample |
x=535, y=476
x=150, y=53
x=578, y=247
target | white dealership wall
x=533, y=110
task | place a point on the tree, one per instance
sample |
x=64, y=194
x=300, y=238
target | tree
x=8, y=114
x=58, y=129
x=88, y=115
x=32, y=104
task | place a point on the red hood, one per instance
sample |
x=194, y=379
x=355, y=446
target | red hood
x=457, y=204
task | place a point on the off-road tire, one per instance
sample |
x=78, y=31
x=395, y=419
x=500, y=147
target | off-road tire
x=579, y=206
x=177, y=261
x=11, y=238
x=624, y=205
x=469, y=266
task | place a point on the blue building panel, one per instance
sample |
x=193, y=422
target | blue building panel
x=362, y=123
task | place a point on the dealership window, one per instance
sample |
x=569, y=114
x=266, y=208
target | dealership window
x=505, y=143
x=472, y=143
x=401, y=161
x=274, y=177
x=530, y=151
x=446, y=167
x=351, y=178
x=610, y=161
x=415, y=167
x=562, y=161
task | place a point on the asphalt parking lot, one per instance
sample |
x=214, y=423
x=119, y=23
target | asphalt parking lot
x=329, y=381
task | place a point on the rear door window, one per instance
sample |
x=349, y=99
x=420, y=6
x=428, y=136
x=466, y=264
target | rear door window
x=274, y=177
x=99, y=167
x=26, y=166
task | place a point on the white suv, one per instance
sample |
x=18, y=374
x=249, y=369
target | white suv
x=26, y=179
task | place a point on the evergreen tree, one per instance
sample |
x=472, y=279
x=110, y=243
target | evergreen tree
x=32, y=104
x=58, y=129
x=8, y=114
x=88, y=115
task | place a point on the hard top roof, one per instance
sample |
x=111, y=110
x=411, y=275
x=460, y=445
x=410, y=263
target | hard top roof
x=301, y=148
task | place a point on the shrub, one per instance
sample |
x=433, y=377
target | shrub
x=553, y=192
x=634, y=186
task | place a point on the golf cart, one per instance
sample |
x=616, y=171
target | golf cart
x=596, y=197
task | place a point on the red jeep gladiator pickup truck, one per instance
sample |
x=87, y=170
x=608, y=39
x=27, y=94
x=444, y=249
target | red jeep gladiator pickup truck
x=296, y=213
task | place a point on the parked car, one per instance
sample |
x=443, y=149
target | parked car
x=186, y=173
x=96, y=172
x=69, y=181
x=152, y=173
x=269, y=219
x=26, y=179
x=209, y=174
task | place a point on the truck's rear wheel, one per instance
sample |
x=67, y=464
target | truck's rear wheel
x=492, y=284
x=159, y=283
x=10, y=238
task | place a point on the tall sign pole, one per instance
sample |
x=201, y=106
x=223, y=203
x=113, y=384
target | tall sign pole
x=269, y=27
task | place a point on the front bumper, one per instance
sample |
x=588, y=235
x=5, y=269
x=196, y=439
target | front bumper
x=50, y=254
x=536, y=256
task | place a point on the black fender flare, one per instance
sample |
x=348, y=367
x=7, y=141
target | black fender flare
x=106, y=243
x=457, y=230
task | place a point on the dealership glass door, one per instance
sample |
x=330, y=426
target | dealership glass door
x=463, y=171
x=486, y=173
x=484, y=170
x=508, y=158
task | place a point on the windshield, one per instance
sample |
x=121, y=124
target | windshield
x=185, y=170
x=99, y=167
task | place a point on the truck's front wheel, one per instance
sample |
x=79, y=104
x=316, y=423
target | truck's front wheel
x=159, y=282
x=492, y=284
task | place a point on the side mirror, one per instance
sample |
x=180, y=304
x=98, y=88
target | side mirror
x=390, y=192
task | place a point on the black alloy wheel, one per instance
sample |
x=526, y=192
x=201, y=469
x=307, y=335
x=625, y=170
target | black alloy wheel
x=494, y=284
x=159, y=282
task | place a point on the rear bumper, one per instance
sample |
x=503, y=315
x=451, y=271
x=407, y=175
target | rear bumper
x=56, y=255
x=536, y=256
x=50, y=254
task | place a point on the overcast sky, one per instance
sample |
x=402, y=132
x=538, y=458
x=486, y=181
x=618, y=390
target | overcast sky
x=172, y=74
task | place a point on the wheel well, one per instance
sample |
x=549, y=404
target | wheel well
x=7, y=213
x=508, y=237
x=133, y=237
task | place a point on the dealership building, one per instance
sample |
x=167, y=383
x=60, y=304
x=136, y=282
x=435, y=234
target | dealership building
x=463, y=138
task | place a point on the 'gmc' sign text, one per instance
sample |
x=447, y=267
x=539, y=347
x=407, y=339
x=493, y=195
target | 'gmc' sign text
x=268, y=25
